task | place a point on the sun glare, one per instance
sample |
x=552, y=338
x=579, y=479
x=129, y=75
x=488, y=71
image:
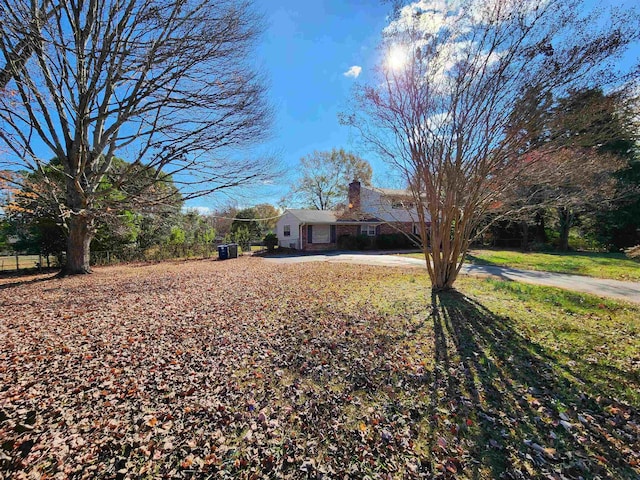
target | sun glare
x=396, y=58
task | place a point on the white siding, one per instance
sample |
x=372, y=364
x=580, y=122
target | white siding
x=294, y=239
x=380, y=206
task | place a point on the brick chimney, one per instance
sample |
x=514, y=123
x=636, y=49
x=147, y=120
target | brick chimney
x=354, y=196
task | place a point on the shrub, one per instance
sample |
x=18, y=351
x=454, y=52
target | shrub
x=364, y=242
x=355, y=242
x=347, y=242
x=392, y=241
x=388, y=241
x=270, y=240
x=242, y=237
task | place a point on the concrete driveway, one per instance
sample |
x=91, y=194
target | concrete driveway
x=627, y=291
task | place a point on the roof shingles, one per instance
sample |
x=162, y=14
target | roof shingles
x=315, y=216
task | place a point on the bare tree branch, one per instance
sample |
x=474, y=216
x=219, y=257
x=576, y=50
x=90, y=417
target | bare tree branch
x=442, y=111
x=168, y=85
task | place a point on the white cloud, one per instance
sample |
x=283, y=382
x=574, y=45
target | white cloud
x=432, y=16
x=198, y=209
x=447, y=25
x=353, y=71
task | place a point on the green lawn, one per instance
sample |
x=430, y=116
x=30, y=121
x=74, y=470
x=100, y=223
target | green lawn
x=602, y=265
x=518, y=369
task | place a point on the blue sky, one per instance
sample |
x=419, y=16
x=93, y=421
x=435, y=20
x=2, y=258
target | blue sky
x=305, y=52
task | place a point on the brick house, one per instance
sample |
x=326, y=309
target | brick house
x=371, y=212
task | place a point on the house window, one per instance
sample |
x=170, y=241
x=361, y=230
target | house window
x=399, y=204
x=319, y=234
x=369, y=230
x=286, y=230
x=416, y=229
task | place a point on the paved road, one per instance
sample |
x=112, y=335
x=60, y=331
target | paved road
x=628, y=291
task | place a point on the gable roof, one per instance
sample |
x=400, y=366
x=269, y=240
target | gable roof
x=390, y=192
x=314, y=216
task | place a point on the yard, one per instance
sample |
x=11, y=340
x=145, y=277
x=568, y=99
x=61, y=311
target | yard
x=615, y=266
x=244, y=369
x=603, y=265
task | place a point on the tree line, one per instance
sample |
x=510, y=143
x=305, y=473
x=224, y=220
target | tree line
x=30, y=225
x=485, y=108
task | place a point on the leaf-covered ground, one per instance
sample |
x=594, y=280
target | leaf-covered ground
x=243, y=369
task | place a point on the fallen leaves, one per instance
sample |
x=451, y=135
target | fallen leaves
x=250, y=370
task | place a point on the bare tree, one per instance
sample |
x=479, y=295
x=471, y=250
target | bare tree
x=168, y=85
x=442, y=108
x=325, y=178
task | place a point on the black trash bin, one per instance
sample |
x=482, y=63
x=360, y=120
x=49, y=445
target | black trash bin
x=223, y=252
x=233, y=250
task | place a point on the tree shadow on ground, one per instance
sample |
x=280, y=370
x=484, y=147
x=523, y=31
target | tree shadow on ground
x=448, y=391
x=475, y=260
x=527, y=417
x=25, y=281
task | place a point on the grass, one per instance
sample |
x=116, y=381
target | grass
x=244, y=369
x=8, y=263
x=526, y=357
x=601, y=265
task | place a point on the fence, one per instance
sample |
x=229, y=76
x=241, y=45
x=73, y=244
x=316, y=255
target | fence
x=24, y=262
x=21, y=261
x=155, y=253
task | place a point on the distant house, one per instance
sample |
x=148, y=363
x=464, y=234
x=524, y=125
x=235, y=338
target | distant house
x=371, y=212
x=307, y=229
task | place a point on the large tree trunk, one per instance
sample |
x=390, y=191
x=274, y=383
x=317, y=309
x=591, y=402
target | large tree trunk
x=80, y=230
x=524, y=227
x=449, y=244
x=541, y=234
x=565, y=221
x=78, y=246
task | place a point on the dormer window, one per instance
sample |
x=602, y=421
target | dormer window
x=399, y=204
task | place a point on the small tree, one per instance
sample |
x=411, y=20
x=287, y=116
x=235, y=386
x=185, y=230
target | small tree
x=246, y=219
x=270, y=240
x=242, y=236
x=442, y=108
x=267, y=216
